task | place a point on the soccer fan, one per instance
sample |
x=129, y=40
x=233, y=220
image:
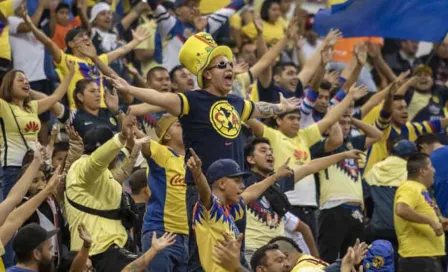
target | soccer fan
x=181, y=79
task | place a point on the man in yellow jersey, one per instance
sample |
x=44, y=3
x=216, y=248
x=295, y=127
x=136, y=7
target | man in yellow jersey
x=166, y=209
x=393, y=122
x=419, y=225
x=81, y=51
x=296, y=258
x=91, y=190
x=269, y=258
x=7, y=9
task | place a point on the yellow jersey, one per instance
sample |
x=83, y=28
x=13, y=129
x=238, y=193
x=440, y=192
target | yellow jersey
x=209, y=225
x=417, y=240
x=90, y=183
x=166, y=210
x=12, y=146
x=84, y=68
x=271, y=32
x=308, y=261
x=7, y=8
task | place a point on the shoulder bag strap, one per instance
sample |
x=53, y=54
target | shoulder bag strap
x=18, y=127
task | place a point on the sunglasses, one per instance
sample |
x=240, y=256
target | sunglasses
x=221, y=65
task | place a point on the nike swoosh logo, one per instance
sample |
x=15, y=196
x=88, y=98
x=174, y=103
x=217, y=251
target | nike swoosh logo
x=88, y=123
x=227, y=143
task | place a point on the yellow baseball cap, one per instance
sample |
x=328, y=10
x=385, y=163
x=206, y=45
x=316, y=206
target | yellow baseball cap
x=421, y=68
x=198, y=51
x=163, y=125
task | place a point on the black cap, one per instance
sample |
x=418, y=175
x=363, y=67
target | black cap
x=224, y=168
x=30, y=237
x=62, y=6
x=96, y=136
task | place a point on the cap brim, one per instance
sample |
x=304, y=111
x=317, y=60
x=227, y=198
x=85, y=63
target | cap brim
x=240, y=174
x=52, y=233
x=217, y=51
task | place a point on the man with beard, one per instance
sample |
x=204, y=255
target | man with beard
x=270, y=258
x=34, y=250
x=393, y=121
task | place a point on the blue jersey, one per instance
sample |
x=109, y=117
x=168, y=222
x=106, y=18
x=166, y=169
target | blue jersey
x=211, y=126
x=438, y=160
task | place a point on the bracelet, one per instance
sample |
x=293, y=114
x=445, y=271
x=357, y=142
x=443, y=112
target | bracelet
x=84, y=245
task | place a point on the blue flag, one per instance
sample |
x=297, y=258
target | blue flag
x=419, y=20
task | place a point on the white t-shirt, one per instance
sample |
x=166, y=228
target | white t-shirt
x=27, y=52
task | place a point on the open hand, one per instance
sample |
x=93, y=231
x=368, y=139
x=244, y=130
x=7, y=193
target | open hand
x=73, y=135
x=194, y=163
x=161, y=243
x=332, y=77
x=240, y=68
x=40, y=154
x=327, y=55
x=360, y=250
x=358, y=92
x=84, y=234
x=142, y=141
x=361, y=53
x=141, y=33
x=54, y=181
x=293, y=30
x=289, y=104
x=258, y=23
x=227, y=253
x=111, y=100
x=332, y=37
x=119, y=83
x=373, y=50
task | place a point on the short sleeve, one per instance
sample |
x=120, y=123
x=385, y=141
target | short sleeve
x=14, y=23
x=159, y=153
x=407, y=195
x=318, y=149
x=34, y=106
x=270, y=134
x=311, y=135
x=184, y=105
x=62, y=65
x=237, y=210
x=248, y=109
x=104, y=59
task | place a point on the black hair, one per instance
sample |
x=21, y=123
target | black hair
x=174, y=70
x=62, y=6
x=153, y=70
x=249, y=148
x=24, y=257
x=325, y=85
x=259, y=257
x=287, y=240
x=415, y=163
x=168, y=5
x=95, y=137
x=429, y=138
x=60, y=147
x=80, y=86
x=282, y=115
x=281, y=66
x=399, y=97
x=264, y=11
x=138, y=181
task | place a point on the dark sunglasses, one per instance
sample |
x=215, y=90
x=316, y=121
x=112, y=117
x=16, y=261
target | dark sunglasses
x=221, y=65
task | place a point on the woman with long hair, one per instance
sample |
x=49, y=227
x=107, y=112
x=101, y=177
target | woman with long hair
x=19, y=121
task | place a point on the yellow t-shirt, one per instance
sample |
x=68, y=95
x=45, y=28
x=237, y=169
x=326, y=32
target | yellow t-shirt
x=271, y=32
x=2, y=252
x=12, y=146
x=211, y=6
x=7, y=8
x=419, y=101
x=83, y=69
x=209, y=226
x=417, y=240
x=297, y=148
x=148, y=44
x=90, y=183
x=167, y=209
x=308, y=261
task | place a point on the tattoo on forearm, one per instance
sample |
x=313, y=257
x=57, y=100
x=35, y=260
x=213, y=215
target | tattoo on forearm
x=267, y=109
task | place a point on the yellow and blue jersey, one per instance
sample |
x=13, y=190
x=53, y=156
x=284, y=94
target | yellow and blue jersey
x=166, y=210
x=410, y=131
x=209, y=226
x=211, y=126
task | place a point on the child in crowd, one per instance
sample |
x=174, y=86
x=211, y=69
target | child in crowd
x=61, y=23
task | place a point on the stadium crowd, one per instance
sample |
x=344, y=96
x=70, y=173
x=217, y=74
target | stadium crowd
x=216, y=135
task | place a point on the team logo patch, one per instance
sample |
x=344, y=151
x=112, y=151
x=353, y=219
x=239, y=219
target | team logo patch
x=225, y=119
x=112, y=121
x=31, y=127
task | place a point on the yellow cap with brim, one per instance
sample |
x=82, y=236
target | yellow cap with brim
x=198, y=51
x=421, y=68
x=163, y=125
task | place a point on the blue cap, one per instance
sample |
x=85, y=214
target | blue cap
x=379, y=257
x=404, y=148
x=224, y=168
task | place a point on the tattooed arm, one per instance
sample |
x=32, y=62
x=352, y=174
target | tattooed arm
x=266, y=110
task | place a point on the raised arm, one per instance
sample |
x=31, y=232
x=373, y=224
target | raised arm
x=165, y=21
x=169, y=101
x=374, y=51
x=372, y=134
x=194, y=163
x=23, y=27
x=80, y=260
x=265, y=76
x=338, y=110
x=352, y=71
x=54, y=50
x=217, y=19
x=317, y=165
x=138, y=36
x=335, y=138
x=22, y=213
x=46, y=103
x=134, y=14
x=143, y=109
x=254, y=191
x=266, y=110
x=19, y=190
x=157, y=245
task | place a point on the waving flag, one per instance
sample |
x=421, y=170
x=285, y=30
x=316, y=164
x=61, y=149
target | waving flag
x=420, y=20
